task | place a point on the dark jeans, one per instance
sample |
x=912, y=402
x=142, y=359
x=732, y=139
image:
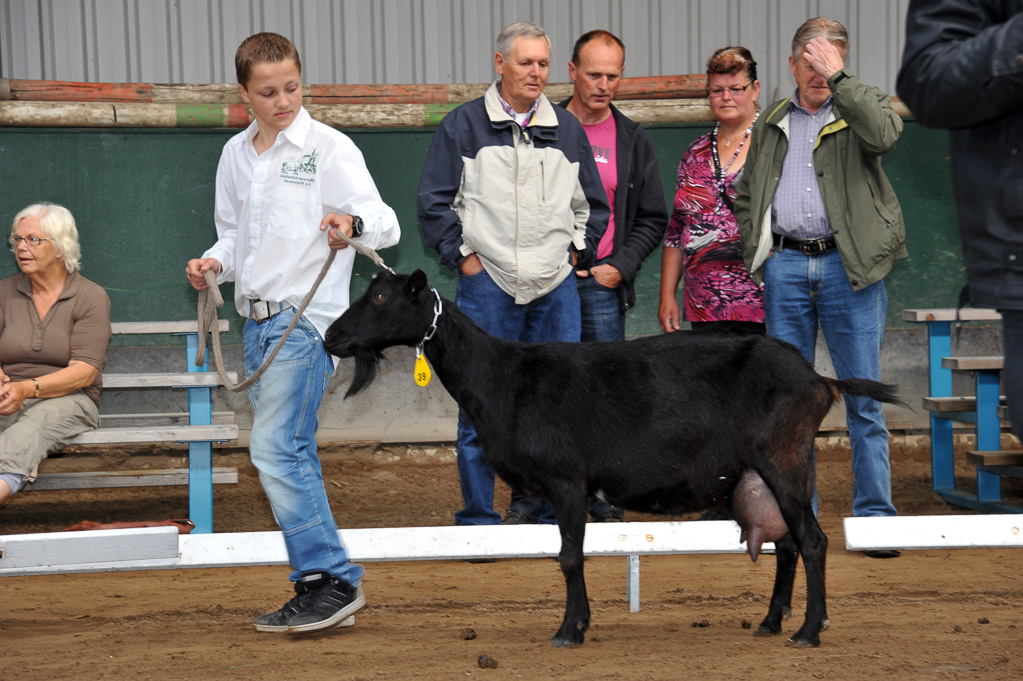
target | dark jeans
x=553, y=317
x=1012, y=370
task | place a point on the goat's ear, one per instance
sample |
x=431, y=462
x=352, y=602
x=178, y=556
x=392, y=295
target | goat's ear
x=416, y=283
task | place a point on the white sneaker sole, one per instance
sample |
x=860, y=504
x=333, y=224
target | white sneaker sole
x=339, y=619
x=347, y=622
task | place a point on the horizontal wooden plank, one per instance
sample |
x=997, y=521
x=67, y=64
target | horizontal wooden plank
x=110, y=436
x=192, y=326
x=950, y=403
x=972, y=363
x=198, y=379
x=966, y=314
x=154, y=420
x=53, y=551
x=934, y=532
x=996, y=458
x=147, y=478
x=421, y=543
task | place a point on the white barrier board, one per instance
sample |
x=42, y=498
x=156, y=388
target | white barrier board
x=934, y=532
x=364, y=545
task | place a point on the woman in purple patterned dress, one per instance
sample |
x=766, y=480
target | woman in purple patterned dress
x=701, y=245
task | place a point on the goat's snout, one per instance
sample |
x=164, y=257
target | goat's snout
x=337, y=342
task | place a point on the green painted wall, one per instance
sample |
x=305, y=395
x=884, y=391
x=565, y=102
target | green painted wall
x=144, y=199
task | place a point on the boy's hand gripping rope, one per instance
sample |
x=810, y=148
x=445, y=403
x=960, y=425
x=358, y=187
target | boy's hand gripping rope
x=210, y=300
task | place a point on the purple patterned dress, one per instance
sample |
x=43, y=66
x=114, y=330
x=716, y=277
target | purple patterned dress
x=715, y=283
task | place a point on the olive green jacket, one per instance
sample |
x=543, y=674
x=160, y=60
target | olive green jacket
x=860, y=203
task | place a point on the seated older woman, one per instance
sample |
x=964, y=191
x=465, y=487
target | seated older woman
x=54, y=331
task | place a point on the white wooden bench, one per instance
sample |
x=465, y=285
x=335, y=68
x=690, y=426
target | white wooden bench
x=200, y=427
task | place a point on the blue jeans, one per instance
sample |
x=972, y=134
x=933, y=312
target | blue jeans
x=1012, y=372
x=553, y=317
x=602, y=317
x=801, y=291
x=283, y=443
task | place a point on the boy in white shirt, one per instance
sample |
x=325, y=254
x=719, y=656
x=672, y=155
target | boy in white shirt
x=284, y=187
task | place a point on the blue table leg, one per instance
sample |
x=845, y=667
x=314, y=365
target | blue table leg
x=200, y=454
x=939, y=344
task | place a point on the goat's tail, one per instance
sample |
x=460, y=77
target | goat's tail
x=864, y=387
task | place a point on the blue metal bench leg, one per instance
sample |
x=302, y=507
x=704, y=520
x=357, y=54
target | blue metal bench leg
x=200, y=454
x=942, y=455
x=939, y=344
x=988, y=432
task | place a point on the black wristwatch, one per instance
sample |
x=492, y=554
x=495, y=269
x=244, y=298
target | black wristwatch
x=357, y=227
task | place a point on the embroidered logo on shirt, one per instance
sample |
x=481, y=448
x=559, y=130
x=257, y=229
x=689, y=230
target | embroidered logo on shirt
x=300, y=170
x=600, y=154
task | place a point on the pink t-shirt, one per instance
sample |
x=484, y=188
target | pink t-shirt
x=602, y=140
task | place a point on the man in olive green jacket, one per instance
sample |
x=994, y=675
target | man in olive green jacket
x=821, y=227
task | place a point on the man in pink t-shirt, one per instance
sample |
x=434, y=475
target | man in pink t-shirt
x=627, y=162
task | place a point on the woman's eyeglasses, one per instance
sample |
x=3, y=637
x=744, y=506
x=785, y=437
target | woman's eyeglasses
x=716, y=92
x=32, y=241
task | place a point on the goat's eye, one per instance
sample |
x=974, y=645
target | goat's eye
x=379, y=298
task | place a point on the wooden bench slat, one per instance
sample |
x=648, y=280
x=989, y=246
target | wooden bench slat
x=966, y=314
x=185, y=380
x=149, y=478
x=953, y=403
x=153, y=420
x=106, y=436
x=972, y=363
x=996, y=458
x=188, y=326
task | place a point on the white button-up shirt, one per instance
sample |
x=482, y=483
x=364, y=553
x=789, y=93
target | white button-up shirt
x=268, y=212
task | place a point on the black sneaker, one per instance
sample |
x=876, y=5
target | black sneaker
x=513, y=517
x=321, y=602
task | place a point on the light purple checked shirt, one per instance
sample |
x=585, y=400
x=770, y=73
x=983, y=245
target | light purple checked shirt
x=797, y=210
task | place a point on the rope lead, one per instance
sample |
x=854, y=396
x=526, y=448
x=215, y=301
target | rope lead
x=211, y=299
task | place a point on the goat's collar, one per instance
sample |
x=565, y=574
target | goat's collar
x=438, y=307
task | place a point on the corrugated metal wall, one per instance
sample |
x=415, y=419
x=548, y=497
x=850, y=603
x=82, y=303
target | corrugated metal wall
x=418, y=41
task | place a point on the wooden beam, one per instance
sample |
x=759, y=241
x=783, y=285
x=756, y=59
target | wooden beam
x=122, y=328
x=966, y=314
x=53, y=552
x=996, y=458
x=972, y=363
x=997, y=531
x=147, y=478
x=197, y=379
x=412, y=543
x=154, y=420
x=122, y=436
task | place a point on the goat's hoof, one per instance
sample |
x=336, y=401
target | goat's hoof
x=764, y=630
x=558, y=642
x=802, y=643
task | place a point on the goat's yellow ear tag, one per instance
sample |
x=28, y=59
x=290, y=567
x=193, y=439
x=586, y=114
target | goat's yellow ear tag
x=423, y=374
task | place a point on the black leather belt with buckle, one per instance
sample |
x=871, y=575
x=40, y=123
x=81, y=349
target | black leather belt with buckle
x=806, y=246
x=262, y=310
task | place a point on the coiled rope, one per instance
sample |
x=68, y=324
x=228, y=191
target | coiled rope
x=211, y=299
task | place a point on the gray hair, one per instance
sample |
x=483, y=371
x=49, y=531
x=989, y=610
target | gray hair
x=522, y=29
x=59, y=225
x=831, y=30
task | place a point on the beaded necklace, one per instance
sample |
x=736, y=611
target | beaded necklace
x=719, y=172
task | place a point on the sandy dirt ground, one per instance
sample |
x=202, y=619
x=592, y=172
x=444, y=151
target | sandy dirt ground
x=926, y=615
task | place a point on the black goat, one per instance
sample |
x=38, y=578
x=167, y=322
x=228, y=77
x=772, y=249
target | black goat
x=665, y=424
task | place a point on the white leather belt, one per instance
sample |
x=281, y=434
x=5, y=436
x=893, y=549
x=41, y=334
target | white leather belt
x=262, y=310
